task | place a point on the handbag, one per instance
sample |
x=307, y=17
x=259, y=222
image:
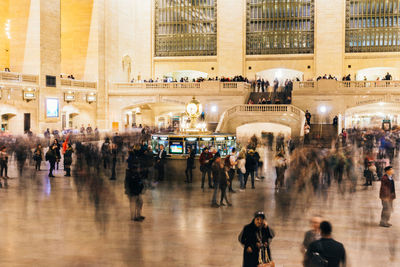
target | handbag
x=268, y=262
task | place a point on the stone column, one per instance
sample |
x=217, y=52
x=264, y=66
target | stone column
x=329, y=37
x=231, y=33
x=50, y=61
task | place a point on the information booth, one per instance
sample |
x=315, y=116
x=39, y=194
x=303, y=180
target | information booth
x=179, y=144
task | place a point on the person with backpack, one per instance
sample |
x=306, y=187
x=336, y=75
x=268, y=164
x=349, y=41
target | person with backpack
x=325, y=252
x=68, y=160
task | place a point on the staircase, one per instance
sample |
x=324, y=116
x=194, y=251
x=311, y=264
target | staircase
x=323, y=134
x=212, y=126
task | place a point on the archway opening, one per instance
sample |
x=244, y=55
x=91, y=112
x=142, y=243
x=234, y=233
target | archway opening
x=7, y=120
x=373, y=74
x=373, y=115
x=260, y=129
x=280, y=74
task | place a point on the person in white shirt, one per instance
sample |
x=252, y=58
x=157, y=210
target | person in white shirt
x=241, y=167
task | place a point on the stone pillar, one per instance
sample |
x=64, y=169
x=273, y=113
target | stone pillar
x=231, y=33
x=50, y=61
x=102, y=84
x=329, y=35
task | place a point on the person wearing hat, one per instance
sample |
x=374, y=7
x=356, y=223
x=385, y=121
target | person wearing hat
x=256, y=238
x=387, y=194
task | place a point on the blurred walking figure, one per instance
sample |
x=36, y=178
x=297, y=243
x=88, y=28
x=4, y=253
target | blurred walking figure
x=387, y=194
x=217, y=172
x=256, y=238
x=190, y=165
x=3, y=164
x=325, y=251
x=280, y=168
x=251, y=165
x=241, y=168
x=106, y=153
x=68, y=160
x=313, y=234
x=38, y=156
x=224, y=182
x=134, y=187
x=114, y=155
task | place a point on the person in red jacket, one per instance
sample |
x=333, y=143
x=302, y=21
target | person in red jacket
x=387, y=194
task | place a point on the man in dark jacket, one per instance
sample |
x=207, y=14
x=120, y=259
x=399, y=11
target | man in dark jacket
x=160, y=162
x=256, y=238
x=205, y=166
x=51, y=157
x=190, y=165
x=325, y=249
x=250, y=168
x=387, y=194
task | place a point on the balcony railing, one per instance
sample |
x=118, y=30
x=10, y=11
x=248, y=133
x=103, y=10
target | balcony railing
x=247, y=110
x=344, y=85
x=185, y=85
x=78, y=84
x=18, y=77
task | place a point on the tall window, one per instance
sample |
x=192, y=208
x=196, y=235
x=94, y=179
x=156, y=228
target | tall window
x=280, y=27
x=185, y=28
x=372, y=25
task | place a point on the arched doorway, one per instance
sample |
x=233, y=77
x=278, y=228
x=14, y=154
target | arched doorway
x=372, y=115
x=7, y=120
x=372, y=74
x=70, y=117
x=260, y=129
x=280, y=74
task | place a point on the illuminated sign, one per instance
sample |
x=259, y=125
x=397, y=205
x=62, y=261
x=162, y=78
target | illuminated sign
x=220, y=138
x=69, y=97
x=91, y=98
x=206, y=138
x=29, y=95
x=192, y=139
x=52, y=108
x=163, y=138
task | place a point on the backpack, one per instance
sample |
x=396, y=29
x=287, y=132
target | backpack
x=317, y=260
x=228, y=161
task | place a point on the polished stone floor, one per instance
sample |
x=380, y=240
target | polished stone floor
x=64, y=222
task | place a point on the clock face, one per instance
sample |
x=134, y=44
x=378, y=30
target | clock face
x=191, y=109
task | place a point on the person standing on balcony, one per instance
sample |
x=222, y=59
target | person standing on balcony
x=308, y=117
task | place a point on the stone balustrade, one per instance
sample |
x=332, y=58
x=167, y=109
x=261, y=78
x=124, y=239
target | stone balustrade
x=73, y=84
x=214, y=86
x=18, y=77
x=333, y=85
x=238, y=115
